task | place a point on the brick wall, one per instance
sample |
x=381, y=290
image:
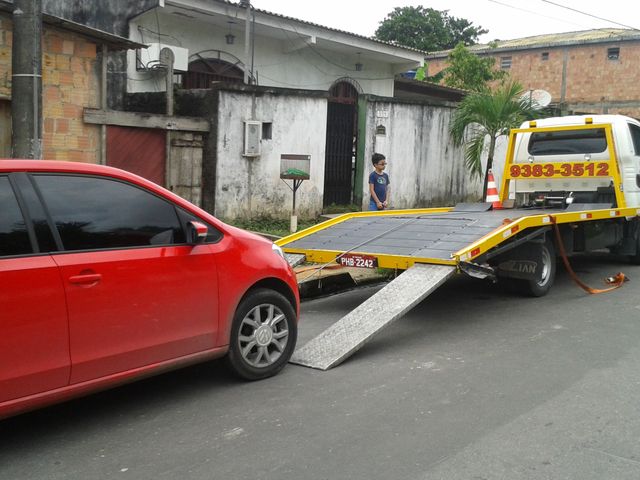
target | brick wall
x=70, y=82
x=593, y=82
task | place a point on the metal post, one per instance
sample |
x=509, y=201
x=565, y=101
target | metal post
x=26, y=90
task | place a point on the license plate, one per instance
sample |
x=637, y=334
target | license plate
x=357, y=260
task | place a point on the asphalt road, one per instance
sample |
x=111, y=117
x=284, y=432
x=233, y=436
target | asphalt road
x=474, y=383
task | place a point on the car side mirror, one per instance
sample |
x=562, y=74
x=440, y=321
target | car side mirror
x=196, y=232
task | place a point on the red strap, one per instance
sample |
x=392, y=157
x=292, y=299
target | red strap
x=616, y=281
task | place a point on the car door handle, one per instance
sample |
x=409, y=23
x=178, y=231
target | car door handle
x=85, y=279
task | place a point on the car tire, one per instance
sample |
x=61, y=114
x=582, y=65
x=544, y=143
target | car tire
x=532, y=288
x=263, y=335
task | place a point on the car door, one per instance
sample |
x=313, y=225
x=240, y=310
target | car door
x=137, y=294
x=34, y=344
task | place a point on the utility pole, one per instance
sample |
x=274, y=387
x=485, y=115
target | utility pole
x=26, y=86
x=246, y=4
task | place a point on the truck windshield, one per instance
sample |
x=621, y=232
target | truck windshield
x=566, y=142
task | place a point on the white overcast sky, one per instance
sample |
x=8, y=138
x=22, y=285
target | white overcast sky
x=505, y=19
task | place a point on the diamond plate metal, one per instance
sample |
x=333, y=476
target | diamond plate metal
x=294, y=259
x=352, y=331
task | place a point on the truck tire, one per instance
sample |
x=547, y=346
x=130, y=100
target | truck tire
x=532, y=288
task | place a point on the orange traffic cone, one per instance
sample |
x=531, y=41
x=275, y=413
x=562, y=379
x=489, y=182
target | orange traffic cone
x=492, y=193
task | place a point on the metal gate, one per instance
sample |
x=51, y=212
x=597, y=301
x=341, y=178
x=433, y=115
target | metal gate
x=138, y=150
x=340, y=153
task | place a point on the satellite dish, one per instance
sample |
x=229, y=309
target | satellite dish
x=538, y=98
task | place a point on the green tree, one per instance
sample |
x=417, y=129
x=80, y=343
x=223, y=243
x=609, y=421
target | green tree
x=470, y=72
x=488, y=113
x=427, y=29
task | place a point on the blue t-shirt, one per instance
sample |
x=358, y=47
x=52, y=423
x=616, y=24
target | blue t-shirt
x=380, y=183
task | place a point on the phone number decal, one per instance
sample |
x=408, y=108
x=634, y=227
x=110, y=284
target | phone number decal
x=538, y=170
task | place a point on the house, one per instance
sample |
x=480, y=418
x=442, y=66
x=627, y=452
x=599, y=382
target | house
x=592, y=71
x=327, y=96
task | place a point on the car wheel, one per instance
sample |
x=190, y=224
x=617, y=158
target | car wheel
x=540, y=288
x=263, y=335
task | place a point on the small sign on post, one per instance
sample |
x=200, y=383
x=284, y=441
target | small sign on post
x=297, y=169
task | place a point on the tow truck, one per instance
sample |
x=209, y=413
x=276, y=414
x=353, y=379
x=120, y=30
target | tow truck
x=570, y=185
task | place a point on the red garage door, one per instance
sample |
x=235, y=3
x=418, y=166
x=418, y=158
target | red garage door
x=138, y=150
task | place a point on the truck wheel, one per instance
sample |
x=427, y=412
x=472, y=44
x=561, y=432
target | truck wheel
x=263, y=335
x=540, y=288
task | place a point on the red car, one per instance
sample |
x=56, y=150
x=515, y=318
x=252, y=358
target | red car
x=106, y=277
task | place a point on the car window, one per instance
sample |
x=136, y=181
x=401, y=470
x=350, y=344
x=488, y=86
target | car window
x=635, y=136
x=14, y=236
x=98, y=213
x=566, y=142
x=36, y=213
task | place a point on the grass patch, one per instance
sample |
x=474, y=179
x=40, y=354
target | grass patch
x=272, y=226
x=333, y=208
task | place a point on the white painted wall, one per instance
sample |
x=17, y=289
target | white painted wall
x=276, y=63
x=252, y=186
x=424, y=167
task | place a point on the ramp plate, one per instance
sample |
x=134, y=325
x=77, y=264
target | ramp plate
x=352, y=331
x=294, y=259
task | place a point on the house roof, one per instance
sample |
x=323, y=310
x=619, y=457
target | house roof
x=229, y=15
x=584, y=37
x=371, y=39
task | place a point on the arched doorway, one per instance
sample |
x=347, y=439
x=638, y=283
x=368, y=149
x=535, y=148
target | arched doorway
x=210, y=66
x=340, y=156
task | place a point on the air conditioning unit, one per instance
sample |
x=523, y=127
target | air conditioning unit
x=252, y=137
x=150, y=57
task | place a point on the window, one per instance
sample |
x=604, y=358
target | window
x=635, y=136
x=505, y=63
x=95, y=213
x=14, y=237
x=267, y=129
x=613, y=53
x=545, y=56
x=37, y=214
x=568, y=142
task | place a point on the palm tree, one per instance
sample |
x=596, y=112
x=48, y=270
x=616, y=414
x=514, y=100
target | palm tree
x=489, y=113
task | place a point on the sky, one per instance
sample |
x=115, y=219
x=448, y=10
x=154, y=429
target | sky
x=505, y=19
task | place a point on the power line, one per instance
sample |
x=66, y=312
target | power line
x=590, y=15
x=534, y=13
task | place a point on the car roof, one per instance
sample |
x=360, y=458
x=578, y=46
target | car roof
x=19, y=165
x=55, y=166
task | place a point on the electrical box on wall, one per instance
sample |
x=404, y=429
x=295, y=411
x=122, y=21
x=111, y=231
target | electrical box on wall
x=150, y=57
x=252, y=137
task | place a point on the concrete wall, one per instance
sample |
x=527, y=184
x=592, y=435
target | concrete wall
x=252, y=186
x=304, y=68
x=592, y=83
x=424, y=167
x=70, y=82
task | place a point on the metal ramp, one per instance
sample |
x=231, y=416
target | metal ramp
x=352, y=331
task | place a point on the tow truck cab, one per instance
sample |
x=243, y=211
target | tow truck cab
x=563, y=160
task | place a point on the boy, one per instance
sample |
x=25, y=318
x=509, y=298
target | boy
x=378, y=184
